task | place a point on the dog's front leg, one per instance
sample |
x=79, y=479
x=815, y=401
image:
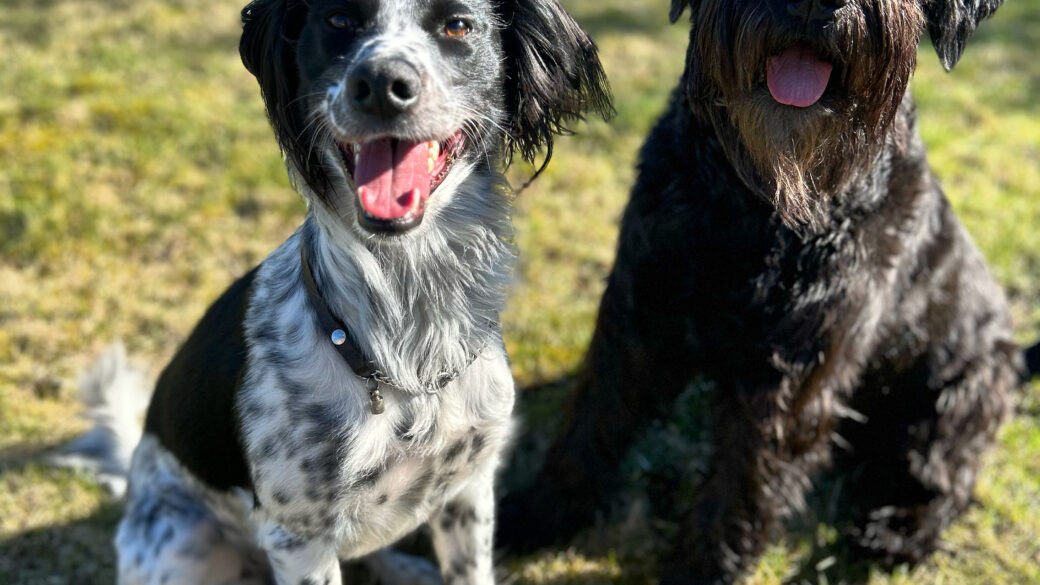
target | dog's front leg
x=766, y=450
x=462, y=533
x=298, y=560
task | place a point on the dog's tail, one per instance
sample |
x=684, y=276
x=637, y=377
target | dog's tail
x=1033, y=362
x=116, y=396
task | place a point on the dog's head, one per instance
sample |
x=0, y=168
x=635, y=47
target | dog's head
x=805, y=92
x=378, y=103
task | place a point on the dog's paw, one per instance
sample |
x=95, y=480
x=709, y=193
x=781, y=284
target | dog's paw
x=390, y=567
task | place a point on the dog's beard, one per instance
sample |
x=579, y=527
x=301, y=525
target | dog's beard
x=803, y=159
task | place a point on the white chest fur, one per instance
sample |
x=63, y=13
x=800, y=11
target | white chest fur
x=324, y=466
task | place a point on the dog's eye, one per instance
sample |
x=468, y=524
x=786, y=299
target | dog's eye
x=340, y=20
x=457, y=28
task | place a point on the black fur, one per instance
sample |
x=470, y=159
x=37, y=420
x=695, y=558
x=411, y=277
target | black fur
x=951, y=24
x=854, y=312
x=193, y=410
x=552, y=73
x=270, y=29
x=1033, y=361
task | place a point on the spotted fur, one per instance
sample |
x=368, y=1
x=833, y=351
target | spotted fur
x=262, y=460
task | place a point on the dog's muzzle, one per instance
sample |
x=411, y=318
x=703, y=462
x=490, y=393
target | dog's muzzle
x=393, y=173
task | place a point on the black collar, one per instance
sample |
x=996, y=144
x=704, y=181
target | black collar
x=335, y=331
x=339, y=336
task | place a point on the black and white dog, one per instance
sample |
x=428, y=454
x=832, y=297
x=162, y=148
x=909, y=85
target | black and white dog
x=355, y=384
x=787, y=239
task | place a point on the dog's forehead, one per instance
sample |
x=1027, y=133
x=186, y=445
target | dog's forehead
x=403, y=13
x=394, y=9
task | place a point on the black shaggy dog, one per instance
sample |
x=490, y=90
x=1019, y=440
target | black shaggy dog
x=787, y=239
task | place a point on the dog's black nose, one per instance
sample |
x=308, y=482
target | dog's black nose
x=384, y=88
x=813, y=10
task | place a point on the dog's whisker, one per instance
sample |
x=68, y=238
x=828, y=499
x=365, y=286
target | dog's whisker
x=303, y=97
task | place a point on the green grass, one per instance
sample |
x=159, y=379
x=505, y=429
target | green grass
x=138, y=177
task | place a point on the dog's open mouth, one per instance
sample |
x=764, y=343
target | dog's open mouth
x=798, y=76
x=394, y=178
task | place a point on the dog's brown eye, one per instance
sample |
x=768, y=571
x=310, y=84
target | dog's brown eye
x=457, y=29
x=340, y=20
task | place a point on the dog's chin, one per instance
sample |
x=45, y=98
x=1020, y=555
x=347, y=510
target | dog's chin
x=393, y=180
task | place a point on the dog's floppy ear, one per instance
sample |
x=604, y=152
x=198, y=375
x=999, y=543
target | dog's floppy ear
x=270, y=29
x=553, y=74
x=951, y=23
x=678, y=6
x=261, y=21
x=268, y=53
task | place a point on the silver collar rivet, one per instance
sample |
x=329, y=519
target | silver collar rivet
x=339, y=337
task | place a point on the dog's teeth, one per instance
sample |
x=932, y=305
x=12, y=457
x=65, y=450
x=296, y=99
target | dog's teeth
x=434, y=152
x=357, y=159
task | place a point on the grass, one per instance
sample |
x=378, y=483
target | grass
x=138, y=177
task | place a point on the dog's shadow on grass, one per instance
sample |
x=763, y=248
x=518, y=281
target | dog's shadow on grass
x=73, y=551
x=78, y=552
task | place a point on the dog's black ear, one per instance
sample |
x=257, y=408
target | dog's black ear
x=553, y=74
x=678, y=6
x=270, y=29
x=951, y=23
x=261, y=21
x=268, y=53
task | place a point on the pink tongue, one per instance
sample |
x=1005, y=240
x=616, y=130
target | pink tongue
x=392, y=177
x=797, y=77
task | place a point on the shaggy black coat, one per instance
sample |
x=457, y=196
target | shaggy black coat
x=858, y=329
